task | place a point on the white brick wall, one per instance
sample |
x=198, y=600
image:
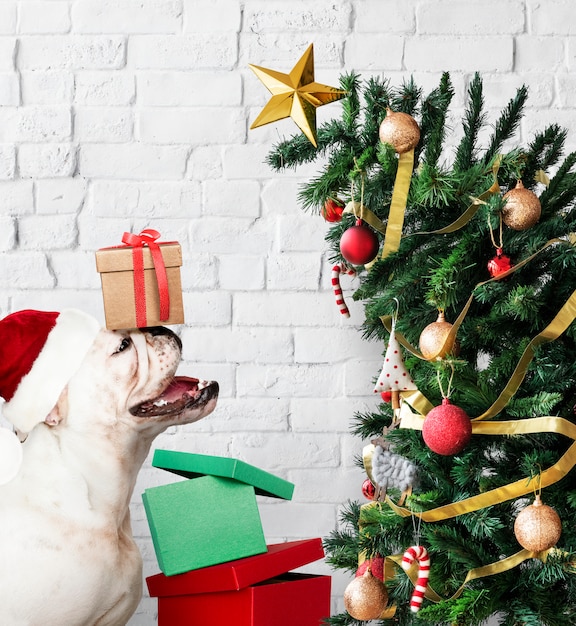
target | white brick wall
x=116, y=116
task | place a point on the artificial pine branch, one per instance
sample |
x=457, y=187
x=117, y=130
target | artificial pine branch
x=560, y=181
x=507, y=124
x=473, y=121
x=351, y=104
x=298, y=149
x=544, y=151
x=377, y=99
x=433, y=124
x=406, y=98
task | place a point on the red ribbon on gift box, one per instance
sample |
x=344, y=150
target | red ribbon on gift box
x=148, y=238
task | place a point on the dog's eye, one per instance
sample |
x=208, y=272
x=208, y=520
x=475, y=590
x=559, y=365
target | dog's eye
x=124, y=345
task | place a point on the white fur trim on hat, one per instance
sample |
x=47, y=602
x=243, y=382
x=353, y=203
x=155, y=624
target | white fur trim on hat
x=64, y=350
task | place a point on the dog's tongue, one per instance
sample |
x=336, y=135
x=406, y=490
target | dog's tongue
x=180, y=386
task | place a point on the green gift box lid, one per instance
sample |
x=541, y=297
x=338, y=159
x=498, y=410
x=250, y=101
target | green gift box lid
x=196, y=465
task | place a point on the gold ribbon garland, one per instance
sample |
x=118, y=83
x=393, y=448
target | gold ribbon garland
x=398, y=203
x=396, y=215
x=542, y=177
x=557, y=326
x=392, y=230
x=472, y=209
x=548, y=424
x=545, y=424
x=357, y=209
x=451, y=336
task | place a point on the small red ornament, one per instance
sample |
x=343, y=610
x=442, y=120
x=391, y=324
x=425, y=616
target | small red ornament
x=368, y=489
x=332, y=210
x=499, y=264
x=447, y=429
x=376, y=564
x=359, y=244
x=386, y=396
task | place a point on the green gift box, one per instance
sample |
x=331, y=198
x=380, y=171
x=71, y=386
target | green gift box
x=213, y=516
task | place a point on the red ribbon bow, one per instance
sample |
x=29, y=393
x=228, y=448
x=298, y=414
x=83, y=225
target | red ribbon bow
x=148, y=238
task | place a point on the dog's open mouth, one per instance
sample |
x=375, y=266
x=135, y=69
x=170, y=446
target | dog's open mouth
x=182, y=394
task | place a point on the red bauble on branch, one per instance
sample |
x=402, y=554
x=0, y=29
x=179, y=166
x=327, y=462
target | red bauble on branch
x=332, y=210
x=499, y=264
x=359, y=244
x=368, y=489
x=447, y=429
x=376, y=565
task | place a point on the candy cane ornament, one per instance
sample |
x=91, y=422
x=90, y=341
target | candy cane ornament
x=419, y=554
x=336, y=271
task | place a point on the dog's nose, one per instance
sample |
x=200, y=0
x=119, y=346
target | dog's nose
x=157, y=331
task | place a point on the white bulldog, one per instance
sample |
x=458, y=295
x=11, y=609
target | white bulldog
x=67, y=556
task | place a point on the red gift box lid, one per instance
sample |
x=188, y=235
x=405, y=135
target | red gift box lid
x=235, y=575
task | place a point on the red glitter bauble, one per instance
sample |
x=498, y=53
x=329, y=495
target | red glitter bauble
x=332, y=211
x=359, y=244
x=368, y=489
x=499, y=264
x=376, y=564
x=447, y=429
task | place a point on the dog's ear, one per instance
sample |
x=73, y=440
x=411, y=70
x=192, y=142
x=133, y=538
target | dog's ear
x=53, y=418
x=57, y=414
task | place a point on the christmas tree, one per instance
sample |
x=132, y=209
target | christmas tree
x=474, y=285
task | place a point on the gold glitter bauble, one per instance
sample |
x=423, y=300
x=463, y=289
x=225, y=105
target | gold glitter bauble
x=400, y=130
x=433, y=338
x=365, y=597
x=538, y=527
x=522, y=209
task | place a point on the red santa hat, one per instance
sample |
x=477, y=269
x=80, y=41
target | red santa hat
x=40, y=351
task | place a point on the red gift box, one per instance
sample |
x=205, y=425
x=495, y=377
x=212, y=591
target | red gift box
x=254, y=591
x=141, y=282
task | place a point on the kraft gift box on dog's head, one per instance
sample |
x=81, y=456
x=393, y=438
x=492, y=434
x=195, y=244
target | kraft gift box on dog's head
x=141, y=283
x=212, y=517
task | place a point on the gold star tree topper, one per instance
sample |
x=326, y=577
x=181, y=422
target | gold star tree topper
x=295, y=95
